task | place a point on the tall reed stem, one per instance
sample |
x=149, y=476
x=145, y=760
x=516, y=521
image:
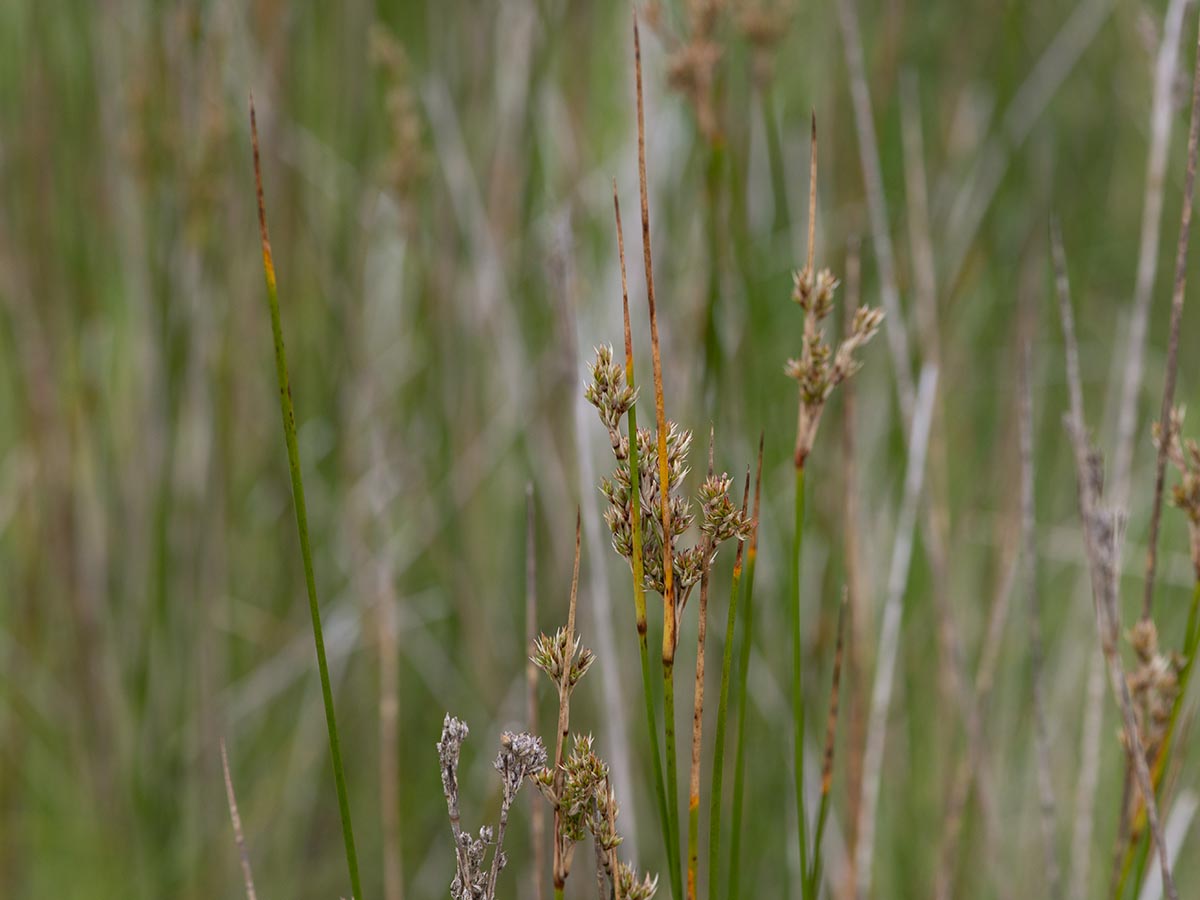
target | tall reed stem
x=639, y=569
x=693, y=854
x=739, y=765
x=718, y=769
x=670, y=635
x=672, y=770
x=293, y=451
x=814, y=881
x=798, y=709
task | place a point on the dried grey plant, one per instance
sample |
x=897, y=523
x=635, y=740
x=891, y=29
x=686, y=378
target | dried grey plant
x=521, y=757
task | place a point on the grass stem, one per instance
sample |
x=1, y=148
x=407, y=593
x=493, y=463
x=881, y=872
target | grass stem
x=718, y=767
x=293, y=450
x=739, y=765
x=670, y=633
x=798, y=709
x=638, y=562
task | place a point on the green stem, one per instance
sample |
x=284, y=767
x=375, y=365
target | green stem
x=660, y=790
x=293, y=451
x=775, y=162
x=739, y=765
x=814, y=881
x=718, y=770
x=672, y=770
x=639, y=601
x=712, y=340
x=797, y=675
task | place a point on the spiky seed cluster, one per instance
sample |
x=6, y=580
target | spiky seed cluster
x=632, y=889
x=584, y=780
x=814, y=291
x=1154, y=685
x=820, y=369
x=521, y=756
x=552, y=656
x=720, y=519
x=1185, y=457
x=618, y=492
x=609, y=393
x=588, y=806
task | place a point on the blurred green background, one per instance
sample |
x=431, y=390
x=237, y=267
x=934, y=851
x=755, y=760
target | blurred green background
x=438, y=182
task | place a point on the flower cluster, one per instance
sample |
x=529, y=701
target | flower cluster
x=521, y=756
x=1154, y=685
x=720, y=519
x=588, y=806
x=632, y=889
x=609, y=393
x=552, y=656
x=1184, y=456
x=820, y=369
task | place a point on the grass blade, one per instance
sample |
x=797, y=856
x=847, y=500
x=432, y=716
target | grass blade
x=639, y=575
x=293, y=450
x=739, y=765
x=670, y=634
x=718, y=767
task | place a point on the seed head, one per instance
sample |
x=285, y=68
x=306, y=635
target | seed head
x=612, y=397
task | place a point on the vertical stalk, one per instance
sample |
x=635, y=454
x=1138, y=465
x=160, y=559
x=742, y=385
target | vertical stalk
x=827, y=765
x=289, y=433
x=537, y=819
x=670, y=636
x=693, y=862
x=672, y=768
x=739, y=765
x=718, y=769
x=797, y=550
x=564, y=720
x=693, y=853
x=712, y=340
x=797, y=672
x=638, y=563
x=775, y=160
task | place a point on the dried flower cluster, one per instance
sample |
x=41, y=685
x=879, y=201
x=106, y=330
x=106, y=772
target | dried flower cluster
x=1154, y=685
x=763, y=26
x=819, y=369
x=406, y=158
x=692, y=64
x=1184, y=456
x=720, y=519
x=695, y=56
x=521, y=756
